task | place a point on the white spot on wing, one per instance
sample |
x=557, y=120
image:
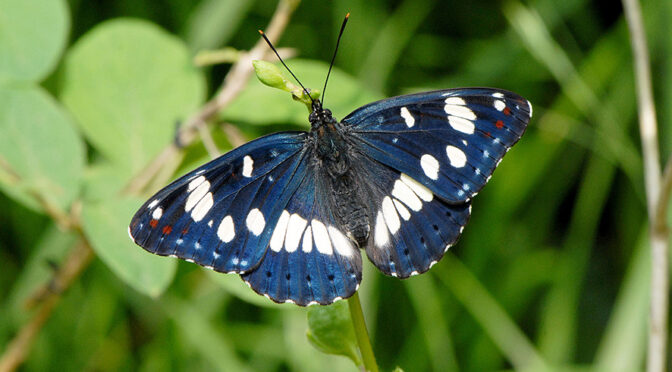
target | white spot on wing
x=461, y=124
x=197, y=194
x=404, y=193
x=419, y=189
x=455, y=101
x=390, y=214
x=202, y=208
x=430, y=166
x=529, y=106
x=294, y=232
x=342, y=245
x=499, y=105
x=380, y=235
x=195, y=182
x=307, y=245
x=278, y=237
x=248, y=166
x=459, y=110
x=456, y=156
x=321, y=236
x=129, y=234
x=255, y=221
x=403, y=212
x=498, y=95
x=153, y=203
x=410, y=120
x=158, y=212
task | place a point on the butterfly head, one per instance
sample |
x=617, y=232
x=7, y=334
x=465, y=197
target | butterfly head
x=320, y=117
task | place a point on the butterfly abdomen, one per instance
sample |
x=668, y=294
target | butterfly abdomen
x=349, y=208
x=335, y=158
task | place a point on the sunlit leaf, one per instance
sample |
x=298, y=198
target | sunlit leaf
x=330, y=330
x=213, y=22
x=32, y=37
x=128, y=83
x=40, y=151
x=106, y=225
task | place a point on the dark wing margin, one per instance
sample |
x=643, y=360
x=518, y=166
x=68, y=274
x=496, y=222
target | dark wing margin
x=449, y=140
x=222, y=214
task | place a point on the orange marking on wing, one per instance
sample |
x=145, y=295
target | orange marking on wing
x=153, y=223
x=499, y=124
x=506, y=111
x=167, y=229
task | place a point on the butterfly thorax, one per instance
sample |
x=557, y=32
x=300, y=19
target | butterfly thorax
x=335, y=157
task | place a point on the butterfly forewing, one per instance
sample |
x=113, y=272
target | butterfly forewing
x=222, y=214
x=449, y=140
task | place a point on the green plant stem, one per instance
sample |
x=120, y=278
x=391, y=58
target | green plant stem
x=362, y=334
x=658, y=234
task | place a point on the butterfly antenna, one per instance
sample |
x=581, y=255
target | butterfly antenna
x=333, y=58
x=283, y=63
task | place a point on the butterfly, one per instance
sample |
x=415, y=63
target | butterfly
x=290, y=212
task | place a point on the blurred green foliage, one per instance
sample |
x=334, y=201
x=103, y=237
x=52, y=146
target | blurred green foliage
x=552, y=271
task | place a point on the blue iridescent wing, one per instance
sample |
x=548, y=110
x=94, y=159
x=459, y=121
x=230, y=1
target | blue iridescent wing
x=222, y=214
x=411, y=228
x=448, y=140
x=309, y=260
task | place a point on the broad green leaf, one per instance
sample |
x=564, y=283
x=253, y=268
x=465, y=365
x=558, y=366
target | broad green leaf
x=102, y=180
x=236, y=287
x=213, y=22
x=128, y=83
x=330, y=330
x=40, y=147
x=261, y=105
x=33, y=34
x=106, y=225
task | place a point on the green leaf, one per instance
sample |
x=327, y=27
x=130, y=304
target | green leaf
x=40, y=151
x=102, y=180
x=330, y=330
x=105, y=225
x=260, y=105
x=270, y=75
x=213, y=22
x=33, y=34
x=236, y=287
x=128, y=83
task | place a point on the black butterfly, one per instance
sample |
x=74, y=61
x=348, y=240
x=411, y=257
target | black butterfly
x=290, y=211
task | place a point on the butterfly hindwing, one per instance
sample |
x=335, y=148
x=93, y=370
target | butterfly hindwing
x=411, y=228
x=221, y=215
x=449, y=140
x=309, y=258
